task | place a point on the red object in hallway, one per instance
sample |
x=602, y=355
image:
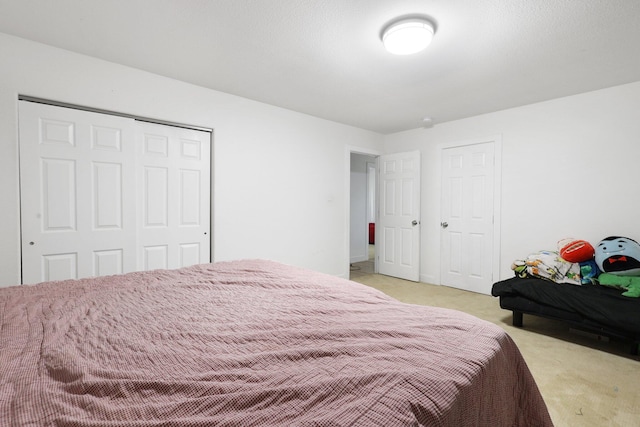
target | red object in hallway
x=372, y=233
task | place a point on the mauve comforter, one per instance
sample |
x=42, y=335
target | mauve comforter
x=251, y=343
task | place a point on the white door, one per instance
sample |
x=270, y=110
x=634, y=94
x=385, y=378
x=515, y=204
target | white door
x=467, y=217
x=399, y=219
x=103, y=194
x=174, y=196
x=77, y=193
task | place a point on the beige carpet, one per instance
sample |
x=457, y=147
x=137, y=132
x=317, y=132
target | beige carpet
x=585, y=382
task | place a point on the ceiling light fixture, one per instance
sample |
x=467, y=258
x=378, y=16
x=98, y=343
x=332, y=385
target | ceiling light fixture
x=408, y=36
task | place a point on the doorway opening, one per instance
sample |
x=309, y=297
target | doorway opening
x=362, y=225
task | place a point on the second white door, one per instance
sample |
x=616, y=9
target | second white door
x=467, y=217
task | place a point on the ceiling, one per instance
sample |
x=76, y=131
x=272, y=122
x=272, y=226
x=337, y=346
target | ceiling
x=325, y=57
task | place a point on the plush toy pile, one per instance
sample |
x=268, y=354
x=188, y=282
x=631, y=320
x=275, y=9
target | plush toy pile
x=614, y=262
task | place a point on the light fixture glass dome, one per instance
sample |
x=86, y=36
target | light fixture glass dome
x=408, y=36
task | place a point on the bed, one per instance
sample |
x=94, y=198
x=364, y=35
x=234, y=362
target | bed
x=598, y=309
x=251, y=343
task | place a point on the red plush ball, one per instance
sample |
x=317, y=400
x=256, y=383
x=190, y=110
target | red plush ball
x=577, y=251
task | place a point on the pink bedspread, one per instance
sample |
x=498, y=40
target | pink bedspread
x=251, y=343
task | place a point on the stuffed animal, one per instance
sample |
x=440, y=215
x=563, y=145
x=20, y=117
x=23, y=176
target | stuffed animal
x=630, y=284
x=589, y=272
x=574, y=250
x=618, y=255
x=580, y=252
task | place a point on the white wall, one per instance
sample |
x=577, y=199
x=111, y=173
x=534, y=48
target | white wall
x=570, y=168
x=279, y=190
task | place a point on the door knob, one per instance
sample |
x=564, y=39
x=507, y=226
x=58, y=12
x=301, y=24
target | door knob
x=414, y=222
x=444, y=224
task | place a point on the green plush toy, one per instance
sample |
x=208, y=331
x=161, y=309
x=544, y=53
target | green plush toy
x=630, y=283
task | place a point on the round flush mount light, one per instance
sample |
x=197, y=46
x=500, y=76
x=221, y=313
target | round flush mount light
x=408, y=36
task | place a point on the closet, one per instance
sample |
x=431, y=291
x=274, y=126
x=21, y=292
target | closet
x=105, y=194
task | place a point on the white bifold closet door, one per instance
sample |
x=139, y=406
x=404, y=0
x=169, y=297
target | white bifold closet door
x=103, y=194
x=173, y=196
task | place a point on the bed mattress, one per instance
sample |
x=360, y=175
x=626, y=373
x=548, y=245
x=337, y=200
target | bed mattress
x=251, y=343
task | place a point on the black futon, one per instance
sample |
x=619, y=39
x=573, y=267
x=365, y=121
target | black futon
x=594, y=308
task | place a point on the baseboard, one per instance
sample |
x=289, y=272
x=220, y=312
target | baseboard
x=428, y=278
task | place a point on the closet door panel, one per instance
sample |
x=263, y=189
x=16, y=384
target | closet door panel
x=155, y=192
x=107, y=196
x=175, y=196
x=58, y=194
x=77, y=199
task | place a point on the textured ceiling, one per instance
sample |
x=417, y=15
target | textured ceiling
x=325, y=58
